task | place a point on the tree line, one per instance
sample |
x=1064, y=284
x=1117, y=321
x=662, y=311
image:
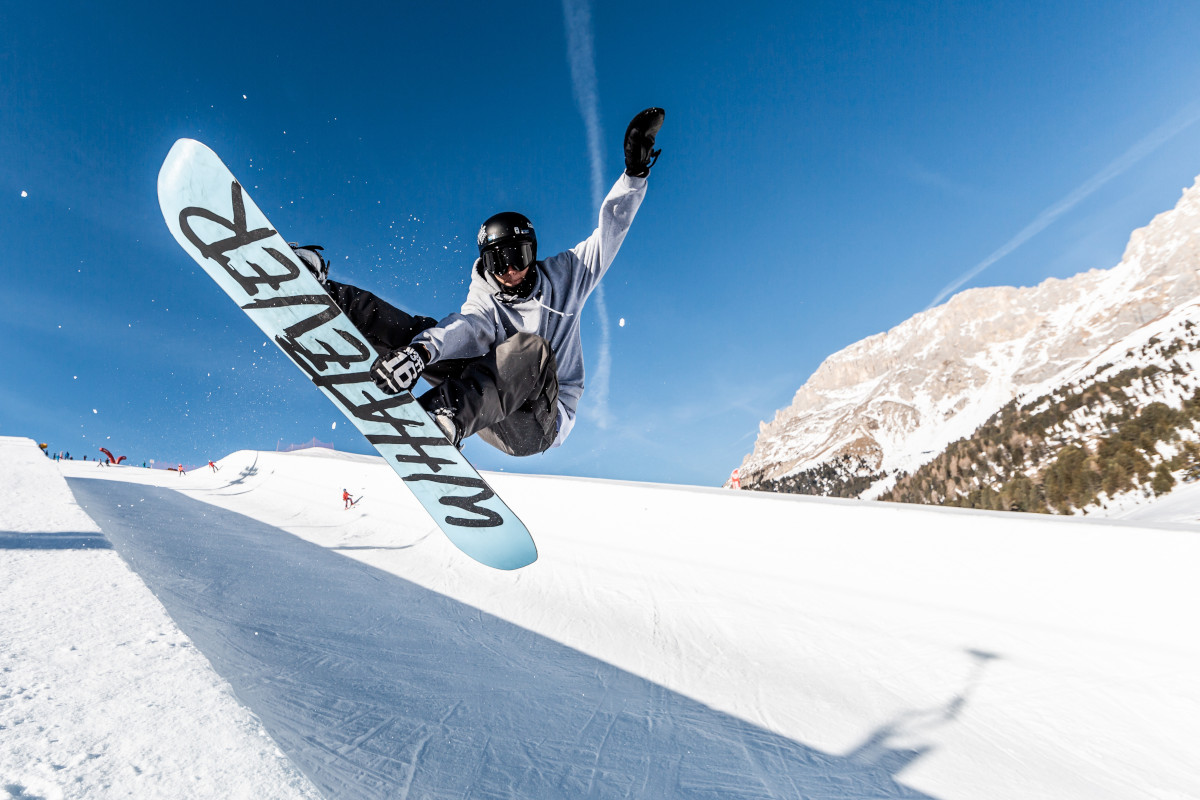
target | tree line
x=1058, y=453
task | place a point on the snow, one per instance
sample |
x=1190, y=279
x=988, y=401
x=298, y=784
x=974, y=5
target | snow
x=101, y=695
x=1180, y=506
x=669, y=642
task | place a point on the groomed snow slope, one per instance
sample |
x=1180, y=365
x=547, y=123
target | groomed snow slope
x=101, y=695
x=903, y=651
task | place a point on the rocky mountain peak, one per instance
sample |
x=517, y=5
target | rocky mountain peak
x=894, y=400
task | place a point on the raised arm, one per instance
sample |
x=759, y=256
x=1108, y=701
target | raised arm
x=596, y=253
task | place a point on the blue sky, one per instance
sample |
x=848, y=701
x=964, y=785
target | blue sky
x=828, y=170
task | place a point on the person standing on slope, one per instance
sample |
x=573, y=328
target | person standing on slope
x=509, y=365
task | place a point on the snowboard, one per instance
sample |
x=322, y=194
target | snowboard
x=216, y=222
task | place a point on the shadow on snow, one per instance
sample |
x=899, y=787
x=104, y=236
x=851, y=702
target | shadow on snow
x=376, y=687
x=53, y=540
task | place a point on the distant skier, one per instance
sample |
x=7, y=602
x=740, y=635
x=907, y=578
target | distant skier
x=509, y=366
x=346, y=498
x=181, y=472
x=213, y=466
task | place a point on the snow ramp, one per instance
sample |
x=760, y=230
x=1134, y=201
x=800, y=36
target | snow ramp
x=378, y=688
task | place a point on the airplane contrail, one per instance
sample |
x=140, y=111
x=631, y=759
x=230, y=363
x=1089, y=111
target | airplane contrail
x=578, y=17
x=1147, y=145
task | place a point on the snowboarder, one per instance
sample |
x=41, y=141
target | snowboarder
x=509, y=366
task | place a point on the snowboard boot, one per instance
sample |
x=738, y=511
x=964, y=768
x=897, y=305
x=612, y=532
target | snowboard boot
x=444, y=417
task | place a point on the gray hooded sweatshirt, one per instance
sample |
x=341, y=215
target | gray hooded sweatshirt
x=552, y=310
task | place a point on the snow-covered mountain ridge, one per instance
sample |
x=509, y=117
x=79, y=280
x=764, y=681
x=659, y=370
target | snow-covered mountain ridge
x=1120, y=432
x=891, y=402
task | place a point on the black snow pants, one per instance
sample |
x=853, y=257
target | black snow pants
x=509, y=396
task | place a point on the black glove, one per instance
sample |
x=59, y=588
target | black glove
x=640, y=154
x=310, y=258
x=398, y=370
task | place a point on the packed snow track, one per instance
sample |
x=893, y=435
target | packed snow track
x=670, y=642
x=378, y=688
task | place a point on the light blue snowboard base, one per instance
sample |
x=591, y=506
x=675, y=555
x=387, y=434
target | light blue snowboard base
x=217, y=223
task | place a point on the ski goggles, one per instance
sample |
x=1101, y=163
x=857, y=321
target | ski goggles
x=499, y=260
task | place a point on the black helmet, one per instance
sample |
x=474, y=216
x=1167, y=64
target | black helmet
x=507, y=240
